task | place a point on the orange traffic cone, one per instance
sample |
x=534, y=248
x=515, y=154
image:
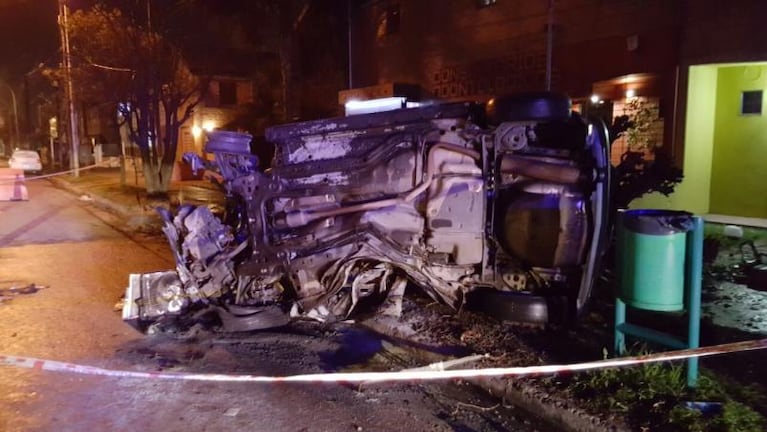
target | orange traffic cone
x=12, y=185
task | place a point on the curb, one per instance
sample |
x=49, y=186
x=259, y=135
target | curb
x=100, y=201
x=524, y=394
x=536, y=401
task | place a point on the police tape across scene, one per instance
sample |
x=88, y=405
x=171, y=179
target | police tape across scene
x=430, y=373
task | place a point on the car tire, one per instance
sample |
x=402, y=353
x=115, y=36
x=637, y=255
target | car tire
x=531, y=106
x=520, y=308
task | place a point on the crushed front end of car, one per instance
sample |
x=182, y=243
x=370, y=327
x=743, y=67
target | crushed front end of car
x=499, y=206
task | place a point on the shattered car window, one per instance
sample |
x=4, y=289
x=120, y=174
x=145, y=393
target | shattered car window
x=501, y=206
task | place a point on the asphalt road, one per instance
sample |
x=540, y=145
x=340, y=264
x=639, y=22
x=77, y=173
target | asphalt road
x=74, y=251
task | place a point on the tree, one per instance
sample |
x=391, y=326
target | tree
x=644, y=168
x=131, y=65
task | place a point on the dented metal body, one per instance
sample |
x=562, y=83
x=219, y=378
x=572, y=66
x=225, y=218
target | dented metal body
x=498, y=204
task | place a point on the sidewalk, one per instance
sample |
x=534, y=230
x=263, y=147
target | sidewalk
x=102, y=186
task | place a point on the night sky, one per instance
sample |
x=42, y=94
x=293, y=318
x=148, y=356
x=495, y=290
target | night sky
x=29, y=32
x=28, y=36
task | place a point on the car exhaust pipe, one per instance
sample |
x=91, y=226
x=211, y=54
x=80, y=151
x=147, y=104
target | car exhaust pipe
x=541, y=170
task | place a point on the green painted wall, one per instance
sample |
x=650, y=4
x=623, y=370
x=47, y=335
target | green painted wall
x=739, y=169
x=693, y=193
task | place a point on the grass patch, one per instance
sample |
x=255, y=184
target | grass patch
x=652, y=397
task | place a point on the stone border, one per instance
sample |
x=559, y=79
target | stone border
x=100, y=201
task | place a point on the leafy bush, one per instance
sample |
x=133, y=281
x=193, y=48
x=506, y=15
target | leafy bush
x=637, y=174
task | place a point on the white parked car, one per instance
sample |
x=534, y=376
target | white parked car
x=27, y=160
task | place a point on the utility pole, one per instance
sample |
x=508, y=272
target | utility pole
x=149, y=15
x=74, y=135
x=549, y=43
x=349, y=37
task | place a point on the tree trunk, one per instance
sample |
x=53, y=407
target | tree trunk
x=157, y=178
x=166, y=173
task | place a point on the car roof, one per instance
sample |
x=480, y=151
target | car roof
x=25, y=152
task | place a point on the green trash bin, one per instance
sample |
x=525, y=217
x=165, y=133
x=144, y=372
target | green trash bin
x=651, y=258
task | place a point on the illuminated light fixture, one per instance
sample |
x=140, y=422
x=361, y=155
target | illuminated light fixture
x=196, y=131
x=354, y=107
x=208, y=125
x=631, y=93
x=595, y=99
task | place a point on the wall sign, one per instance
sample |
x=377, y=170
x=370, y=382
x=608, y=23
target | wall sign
x=520, y=71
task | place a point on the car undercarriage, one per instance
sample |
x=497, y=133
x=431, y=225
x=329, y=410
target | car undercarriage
x=500, y=206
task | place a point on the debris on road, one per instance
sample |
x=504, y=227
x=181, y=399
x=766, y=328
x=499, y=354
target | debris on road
x=232, y=412
x=9, y=293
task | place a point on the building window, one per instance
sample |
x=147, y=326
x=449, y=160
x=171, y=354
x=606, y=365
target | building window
x=227, y=93
x=485, y=3
x=751, y=102
x=388, y=22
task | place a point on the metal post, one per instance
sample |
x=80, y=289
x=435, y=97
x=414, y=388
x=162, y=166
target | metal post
x=73, y=123
x=693, y=288
x=349, y=37
x=619, y=346
x=53, y=154
x=549, y=43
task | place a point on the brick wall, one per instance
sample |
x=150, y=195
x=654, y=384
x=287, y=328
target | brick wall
x=456, y=49
x=724, y=31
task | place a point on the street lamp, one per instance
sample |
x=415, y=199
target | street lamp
x=15, y=112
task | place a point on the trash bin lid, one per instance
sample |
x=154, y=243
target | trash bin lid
x=658, y=222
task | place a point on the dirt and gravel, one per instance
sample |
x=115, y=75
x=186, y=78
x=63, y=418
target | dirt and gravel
x=310, y=347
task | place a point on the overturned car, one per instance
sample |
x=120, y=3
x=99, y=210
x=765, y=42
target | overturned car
x=499, y=206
